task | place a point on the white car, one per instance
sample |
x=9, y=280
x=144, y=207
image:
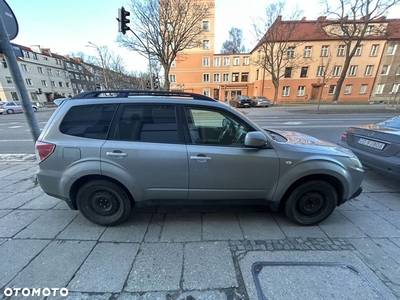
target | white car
x=15, y=107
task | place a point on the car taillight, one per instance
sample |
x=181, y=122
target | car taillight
x=344, y=136
x=44, y=150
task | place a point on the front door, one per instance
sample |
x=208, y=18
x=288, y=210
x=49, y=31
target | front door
x=315, y=92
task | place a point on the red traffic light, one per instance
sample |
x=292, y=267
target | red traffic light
x=123, y=20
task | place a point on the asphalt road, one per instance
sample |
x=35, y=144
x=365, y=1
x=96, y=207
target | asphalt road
x=15, y=137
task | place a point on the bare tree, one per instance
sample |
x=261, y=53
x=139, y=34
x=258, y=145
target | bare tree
x=355, y=20
x=327, y=65
x=163, y=28
x=277, y=45
x=234, y=44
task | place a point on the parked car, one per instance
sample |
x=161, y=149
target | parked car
x=376, y=145
x=260, y=101
x=2, y=109
x=15, y=107
x=241, y=101
x=102, y=155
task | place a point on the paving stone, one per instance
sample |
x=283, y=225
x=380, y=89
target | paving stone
x=81, y=229
x=6, y=182
x=106, y=268
x=15, y=255
x=365, y=202
x=376, y=254
x=43, y=201
x=391, y=200
x=157, y=267
x=182, y=228
x=132, y=230
x=153, y=233
x=62, y=205
x=17, y=200
x=367, y=221
x=4, y=212
x=257, y=226
x=376, y=186
x=208, y=266
x=145, y=296
x=221, y=226
x=390, y=216
x=58, y=220
x=291, y=229
x=338, y=225
x=20, y=186
x=390, y=248
x=85, y=296
x=17, y=220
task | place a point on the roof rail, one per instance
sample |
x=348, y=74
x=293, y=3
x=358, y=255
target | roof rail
x=129, y=93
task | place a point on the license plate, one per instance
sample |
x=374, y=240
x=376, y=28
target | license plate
x=372, y=144
x=246, y=104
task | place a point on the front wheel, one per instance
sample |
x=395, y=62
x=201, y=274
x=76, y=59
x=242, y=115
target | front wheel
x=311, y=202
x=103, y=202
x=10, y=111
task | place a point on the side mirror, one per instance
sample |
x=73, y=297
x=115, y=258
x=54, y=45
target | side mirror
x=255, y=139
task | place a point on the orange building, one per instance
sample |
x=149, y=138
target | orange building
x=223, y=76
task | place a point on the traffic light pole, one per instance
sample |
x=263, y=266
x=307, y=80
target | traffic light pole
x=150, y=68
x=16, y=75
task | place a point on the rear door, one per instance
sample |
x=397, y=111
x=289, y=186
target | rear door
x=146, y=152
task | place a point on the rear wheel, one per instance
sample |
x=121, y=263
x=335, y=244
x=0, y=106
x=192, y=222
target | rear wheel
x=34, y=109
x=311, y=202
x=103, y=202
x=10, y=111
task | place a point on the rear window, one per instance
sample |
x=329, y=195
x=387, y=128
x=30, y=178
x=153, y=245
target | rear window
x=88, y=121
x=391, y=123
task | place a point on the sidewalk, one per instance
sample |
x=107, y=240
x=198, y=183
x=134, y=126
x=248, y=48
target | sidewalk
x=198, y=252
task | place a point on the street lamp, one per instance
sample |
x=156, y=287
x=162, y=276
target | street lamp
x=102, y=61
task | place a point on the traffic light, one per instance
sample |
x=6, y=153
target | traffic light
x=148, y=85
x=156, y=83
x=123, y=20
x=98, y=87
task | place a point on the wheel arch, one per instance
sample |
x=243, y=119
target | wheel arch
x=84, y=179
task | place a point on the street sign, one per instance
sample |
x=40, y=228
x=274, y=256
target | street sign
x=9, y=20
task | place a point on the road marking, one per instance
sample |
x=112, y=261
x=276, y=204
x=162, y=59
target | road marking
x=17, y=157
x=12, y=127
x=293, y=123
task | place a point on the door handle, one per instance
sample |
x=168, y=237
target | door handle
x=117, y=154
x=199, y=157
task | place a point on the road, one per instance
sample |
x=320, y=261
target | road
x=15, y=137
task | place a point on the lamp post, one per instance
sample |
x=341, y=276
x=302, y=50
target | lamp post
x=102, y=61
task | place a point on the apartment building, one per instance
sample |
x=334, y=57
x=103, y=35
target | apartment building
x=320, y=58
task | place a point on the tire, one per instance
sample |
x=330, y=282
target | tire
x=103, y=202
x=311, y=202
x=9, y=111
x=34, y=109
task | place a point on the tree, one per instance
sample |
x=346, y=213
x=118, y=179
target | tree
x=277, y=45
x=327, y=65
x=355, y=20
x=234, y=44
x=163, y=28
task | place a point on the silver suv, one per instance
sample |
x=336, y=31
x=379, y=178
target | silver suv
x=105, y=151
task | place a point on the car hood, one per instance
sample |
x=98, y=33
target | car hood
x=380, y=128
x=309, y=143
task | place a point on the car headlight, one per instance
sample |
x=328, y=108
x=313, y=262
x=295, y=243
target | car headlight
x=356, y=162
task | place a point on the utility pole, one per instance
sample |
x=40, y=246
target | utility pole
x=6, y=48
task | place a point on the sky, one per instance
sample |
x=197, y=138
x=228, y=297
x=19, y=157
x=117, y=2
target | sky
x=66, y=26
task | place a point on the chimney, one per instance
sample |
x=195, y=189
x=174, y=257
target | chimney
x=35, y=48
x=321, y=19
x=46, y=51
x=303, y=19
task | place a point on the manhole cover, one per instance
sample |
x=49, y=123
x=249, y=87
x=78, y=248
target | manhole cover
x=302, y=280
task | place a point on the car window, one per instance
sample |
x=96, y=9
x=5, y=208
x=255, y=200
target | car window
x=215, y=127
x=89, y=121
x=147, y=123
x=391, y=123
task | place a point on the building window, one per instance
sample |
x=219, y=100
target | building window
x=225, y=77
x=369, y=30
x=395, y=88
x=358, y=51
x=291, y=52
x=321, y=71
x=26, y=54
x=60, y=84
x=307, y=51
x=286, y=91
x=391, y=49
x=9, y=79
x=236, y=61
x=206, y=92
x=303, y=72
x=28, y=81
x=14, y=96
x=288, y=72
x=44, y=83
x=67, y=85
x=4, y=63
x=206, y=44
x=347, y=89
x=206, y=77
x=374, y=50
x=301, y=90
x=341, y=50
x=77, y=76
x=353, y=71
x=235, y=77
x=50, y=71
x=227, y=61
x=216, y=78
x=324, y=51
x=385, y=70
x=332, y=89
x=379, y=88
x=40, y=70
x=336, y=71
x=206, y=25
x=53, y=83
x=368, y=70
x=245, y=77
x=398, y=71
x=363, y=88
x=206, y=61
x=246, y=61
x=34, y=56
x=24, y=68
x=217, y=61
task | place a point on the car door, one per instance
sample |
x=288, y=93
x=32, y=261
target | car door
x=146, y=151
x=223, y=168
